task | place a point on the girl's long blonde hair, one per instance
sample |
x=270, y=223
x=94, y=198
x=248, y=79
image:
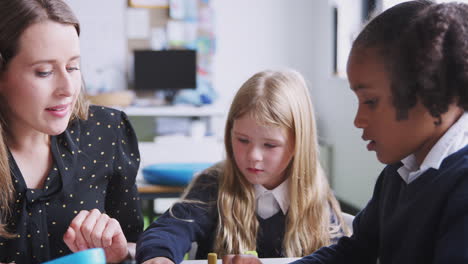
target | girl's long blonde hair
x=15, y=17
x=277, y=98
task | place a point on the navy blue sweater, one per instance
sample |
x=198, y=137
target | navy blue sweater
x=425, y=221
x=171, y=235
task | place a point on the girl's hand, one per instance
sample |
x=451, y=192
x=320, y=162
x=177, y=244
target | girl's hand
x=92, y=229
x=241, y=259
x=158, y=260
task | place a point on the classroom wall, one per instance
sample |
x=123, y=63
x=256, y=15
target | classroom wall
x=253, y=35
x=103, y=42
x=263, y=34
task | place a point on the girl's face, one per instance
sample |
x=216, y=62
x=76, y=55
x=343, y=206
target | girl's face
x=262, y=153
x=392, y=140
x=42, y=82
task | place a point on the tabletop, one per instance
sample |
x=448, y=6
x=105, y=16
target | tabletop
x=263, y=260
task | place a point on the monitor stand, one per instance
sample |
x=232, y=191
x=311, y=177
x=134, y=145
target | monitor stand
x=155, y=98
x=169, y=96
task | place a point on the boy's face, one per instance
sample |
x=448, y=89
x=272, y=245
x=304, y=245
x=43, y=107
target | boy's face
x=391, y=139
x=262, y=153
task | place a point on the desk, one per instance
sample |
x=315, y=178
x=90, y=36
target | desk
x=263, y=260
x=149, y=192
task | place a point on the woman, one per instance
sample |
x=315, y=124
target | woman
x=68, y=170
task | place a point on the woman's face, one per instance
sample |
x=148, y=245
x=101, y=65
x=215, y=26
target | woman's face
x=42, y=82
x=262, y=153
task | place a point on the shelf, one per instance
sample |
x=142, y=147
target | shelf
x=148, y=3
x=174, y=111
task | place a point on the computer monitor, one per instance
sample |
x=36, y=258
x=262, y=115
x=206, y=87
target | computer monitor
x=166, y=70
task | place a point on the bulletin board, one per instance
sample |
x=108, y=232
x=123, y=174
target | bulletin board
x=173, y=24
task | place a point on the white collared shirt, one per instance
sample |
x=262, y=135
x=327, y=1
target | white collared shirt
x=269, y=202
x=452, y=141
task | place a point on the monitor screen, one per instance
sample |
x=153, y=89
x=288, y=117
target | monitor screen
x=165, y=69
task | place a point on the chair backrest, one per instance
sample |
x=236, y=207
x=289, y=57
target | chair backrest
x=193, y=251
x=348, y=219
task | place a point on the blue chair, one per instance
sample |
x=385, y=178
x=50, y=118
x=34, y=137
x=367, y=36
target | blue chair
x=173, y=174
x=89, y=256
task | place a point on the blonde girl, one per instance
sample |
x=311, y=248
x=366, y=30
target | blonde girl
x=269, y=195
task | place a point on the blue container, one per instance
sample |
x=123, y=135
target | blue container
x=89, y=256
x=173, y=174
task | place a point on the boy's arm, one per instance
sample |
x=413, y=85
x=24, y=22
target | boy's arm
x=452, y=243
x=354, y=249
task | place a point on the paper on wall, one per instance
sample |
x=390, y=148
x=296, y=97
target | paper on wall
x=138, y=23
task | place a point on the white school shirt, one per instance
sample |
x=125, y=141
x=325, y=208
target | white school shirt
x=452, y=141
x=269, y=202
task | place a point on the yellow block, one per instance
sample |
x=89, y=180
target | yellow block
x=212, y=257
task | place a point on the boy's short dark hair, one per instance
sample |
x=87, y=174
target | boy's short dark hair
x=424, y=47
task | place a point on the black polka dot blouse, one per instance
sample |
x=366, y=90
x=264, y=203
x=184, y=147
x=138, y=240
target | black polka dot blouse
x=95, y=165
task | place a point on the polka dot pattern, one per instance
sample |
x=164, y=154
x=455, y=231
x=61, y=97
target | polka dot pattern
x=95, y=165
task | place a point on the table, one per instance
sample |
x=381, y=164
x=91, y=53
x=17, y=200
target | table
x=149, y=192
x=264, y=261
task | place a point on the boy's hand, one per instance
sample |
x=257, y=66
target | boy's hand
x=241, y=259
x=92, y=229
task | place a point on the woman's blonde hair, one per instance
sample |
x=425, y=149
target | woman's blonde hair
x=15, y=17
x=277, y=98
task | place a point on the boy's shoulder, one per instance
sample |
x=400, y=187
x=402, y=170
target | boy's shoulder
x=448, y=180
x=458, y=160
x=455, y=167
x=454, y=163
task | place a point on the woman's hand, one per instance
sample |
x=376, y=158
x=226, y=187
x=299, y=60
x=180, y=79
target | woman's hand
x=92, y=229
x=158, y=260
